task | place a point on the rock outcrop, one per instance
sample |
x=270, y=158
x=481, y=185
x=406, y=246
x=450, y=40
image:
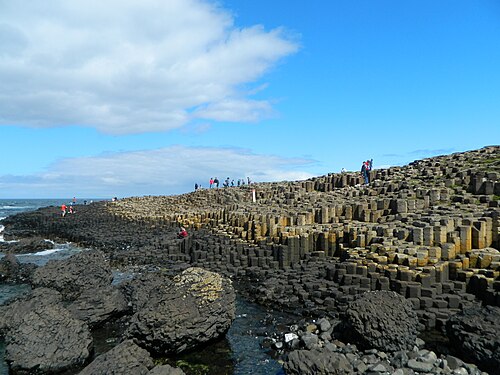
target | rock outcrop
x=195, y=307
x=475, y=333
x=88, y=269
x=26, y=245
x=11, y=271
x=125, y=358
x=381, y=320
x=47, y=339
x=97, y=305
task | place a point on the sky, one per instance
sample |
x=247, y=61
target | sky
x=130, y=98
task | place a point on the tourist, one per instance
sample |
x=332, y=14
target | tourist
x=195, y=186
x=211, y=182
x=182, y=233
x=216, y=182
x=63, y=210
x=364, y=172
x=249, y=181
x=232, y=182
x=343, y=170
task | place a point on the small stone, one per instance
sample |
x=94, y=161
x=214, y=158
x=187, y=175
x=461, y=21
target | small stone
x=419, y=366
x=378, y=367
x=290, y=336
x=324, y=325
x=453, y=362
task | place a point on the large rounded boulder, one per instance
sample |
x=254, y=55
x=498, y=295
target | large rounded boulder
x=382, y=320
x=88, y=269
x=181, y=313
x=47, y=339
x=475, y=333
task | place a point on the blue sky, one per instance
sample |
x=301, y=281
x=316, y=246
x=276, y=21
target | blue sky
x=121, y=98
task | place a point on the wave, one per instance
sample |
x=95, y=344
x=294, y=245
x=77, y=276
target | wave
x=42, y=253
x=14, y=207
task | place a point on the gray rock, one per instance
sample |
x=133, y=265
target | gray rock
x=310, y=340
x=88, y=269
x=125, y=358
x=420, y=366
x=12, y=314
x=313, y=362
x=96, y=306
x=382, y=320
x=474, y=332
x=453, y=362
x=323, y=324
x=196, y=307
x=47, y=339
x=11, y=271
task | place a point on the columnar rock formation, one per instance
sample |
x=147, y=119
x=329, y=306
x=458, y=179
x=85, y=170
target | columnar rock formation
x=428, y=231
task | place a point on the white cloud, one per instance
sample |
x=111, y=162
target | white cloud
x=131, y=66
x=169, y=170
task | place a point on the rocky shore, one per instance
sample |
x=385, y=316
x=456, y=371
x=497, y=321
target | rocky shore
x=375, y=266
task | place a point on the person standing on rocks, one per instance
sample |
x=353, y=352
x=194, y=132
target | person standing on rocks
x=364, y=172
x=182, y=233
x=216, y=182
x=211, y=182
x=63, y=210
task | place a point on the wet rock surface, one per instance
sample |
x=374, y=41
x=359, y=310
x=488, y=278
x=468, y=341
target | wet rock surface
x=26, y=245
x=11, y=271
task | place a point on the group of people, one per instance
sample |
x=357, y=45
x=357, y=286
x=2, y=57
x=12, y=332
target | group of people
x=67, y=209
x=366, y=167
x=214, y=183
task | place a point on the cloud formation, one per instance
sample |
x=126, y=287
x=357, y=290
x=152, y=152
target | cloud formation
x=170, y=170
x=131, y=66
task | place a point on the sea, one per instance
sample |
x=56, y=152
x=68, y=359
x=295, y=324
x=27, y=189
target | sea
x=244, y=348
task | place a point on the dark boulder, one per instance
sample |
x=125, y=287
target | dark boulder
x=475, y=333
x=97, y=305
x=11, y=315
x=47, y=339
x=382, y=320
x=88, y=269
x=313, y=362
x=195, y=307
x=11, y=271
x=125, y=358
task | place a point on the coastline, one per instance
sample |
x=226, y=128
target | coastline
x=427, y=231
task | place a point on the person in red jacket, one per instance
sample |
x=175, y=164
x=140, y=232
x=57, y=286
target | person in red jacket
x=182, y=233
x=63, y=210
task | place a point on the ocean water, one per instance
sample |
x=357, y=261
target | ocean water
x=243, y=340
